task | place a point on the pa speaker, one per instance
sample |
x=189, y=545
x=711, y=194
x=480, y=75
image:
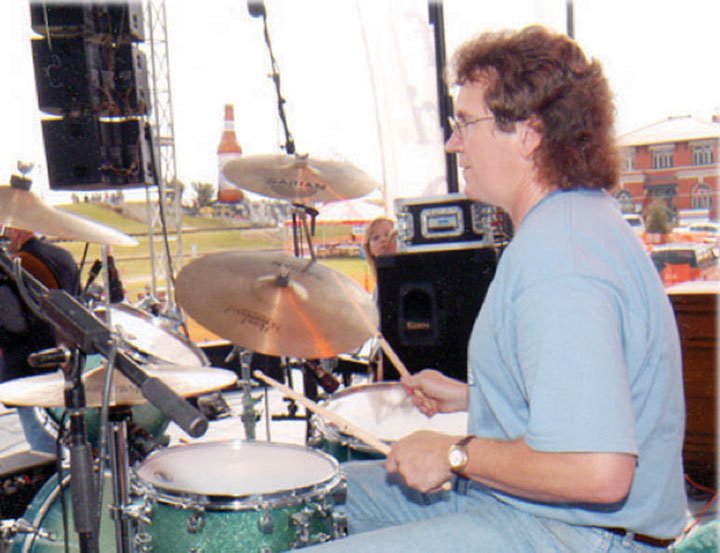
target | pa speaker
x=85, y=153
x=76, y=76
x=60, y=19
x=67, y=75
x=428, y=303
x=118, y=22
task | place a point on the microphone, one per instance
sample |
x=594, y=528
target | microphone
x=117, y=293
x=256, y=8
x=93, y=273
x=326, y=380
x=49, y=358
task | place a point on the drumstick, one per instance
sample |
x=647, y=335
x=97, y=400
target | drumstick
x=390, y=352
x=402, y=369
x=342, y=424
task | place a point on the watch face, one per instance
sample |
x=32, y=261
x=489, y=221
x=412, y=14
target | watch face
x=457, y=457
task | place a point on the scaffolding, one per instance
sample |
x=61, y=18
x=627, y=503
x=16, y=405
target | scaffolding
x=164, y=212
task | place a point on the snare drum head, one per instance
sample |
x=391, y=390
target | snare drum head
x=153, y=336
x=236, y=468
x=385, y=410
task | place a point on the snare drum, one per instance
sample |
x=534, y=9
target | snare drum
x=45, y=513
x=240, y=496
x=153, y=338
x=384, y=410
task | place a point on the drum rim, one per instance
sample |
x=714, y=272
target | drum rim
x=331, y=432
x=234, y=502
x=147, y=318
x=250, y=502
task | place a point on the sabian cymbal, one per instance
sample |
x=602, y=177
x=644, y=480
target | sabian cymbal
x=23, y=209
x=276, y=304
x=47, y=390
x=298, y=178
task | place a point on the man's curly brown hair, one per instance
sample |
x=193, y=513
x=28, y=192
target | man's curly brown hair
x=544, y=77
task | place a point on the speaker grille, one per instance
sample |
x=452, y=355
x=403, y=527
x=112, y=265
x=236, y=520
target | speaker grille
x=428, y=302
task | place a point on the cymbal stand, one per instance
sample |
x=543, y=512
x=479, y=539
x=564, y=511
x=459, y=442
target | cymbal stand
x=248, y=414
x=300, y=215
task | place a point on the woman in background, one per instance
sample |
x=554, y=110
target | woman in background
x=380, y=239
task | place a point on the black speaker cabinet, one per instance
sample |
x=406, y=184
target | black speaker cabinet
x=88, y=154
x=118, y=21
x=428, y=303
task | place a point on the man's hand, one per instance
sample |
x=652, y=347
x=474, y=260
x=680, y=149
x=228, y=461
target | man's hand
x=422, y=459
x=432, y=392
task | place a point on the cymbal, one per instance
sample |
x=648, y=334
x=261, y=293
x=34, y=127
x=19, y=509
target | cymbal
x=298, y=178
x=23, y=209
x=276, y=304
x=47, y=390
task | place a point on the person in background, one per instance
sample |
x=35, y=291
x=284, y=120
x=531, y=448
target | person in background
x=380, y=239
x=23, y=333
x=575, y=391
x=95, y=292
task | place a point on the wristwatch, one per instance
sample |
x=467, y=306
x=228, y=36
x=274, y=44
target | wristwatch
x=457, y=454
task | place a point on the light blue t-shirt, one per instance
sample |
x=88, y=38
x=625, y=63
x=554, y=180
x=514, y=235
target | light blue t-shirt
x=576, y=349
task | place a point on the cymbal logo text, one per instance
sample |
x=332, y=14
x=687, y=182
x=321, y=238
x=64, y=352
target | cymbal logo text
x=253, y=318
x=293, y=187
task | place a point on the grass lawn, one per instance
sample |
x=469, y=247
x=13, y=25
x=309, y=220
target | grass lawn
x=199, y=236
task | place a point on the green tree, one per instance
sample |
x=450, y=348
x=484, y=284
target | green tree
x=170, y=191
x=205, y=193
x=657, y=219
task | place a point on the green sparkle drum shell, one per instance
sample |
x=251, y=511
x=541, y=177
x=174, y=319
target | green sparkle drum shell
x=384, y=410
x=145, y=417
x=46, y=512
x=240, y=496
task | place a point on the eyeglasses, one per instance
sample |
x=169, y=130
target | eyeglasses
x=459, y=126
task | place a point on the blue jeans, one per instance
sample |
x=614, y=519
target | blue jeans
x=385, y=516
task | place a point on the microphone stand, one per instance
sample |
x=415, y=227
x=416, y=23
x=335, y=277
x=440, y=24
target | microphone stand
x=81, y=462
x=89, y=335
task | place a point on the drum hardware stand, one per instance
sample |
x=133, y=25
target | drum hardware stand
x=292, y=406
x=121, y=485
x=300, y=215
x=11, y=528
x=149, y=302
x=249, y=415
x=81, y=462
x=88, y=334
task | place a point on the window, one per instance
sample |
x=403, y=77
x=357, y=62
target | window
x=702, y=154
x=629, y=159
x=701, y=196
x=662, y=158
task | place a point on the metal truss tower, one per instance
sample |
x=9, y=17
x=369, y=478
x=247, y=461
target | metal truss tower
x=163, y=215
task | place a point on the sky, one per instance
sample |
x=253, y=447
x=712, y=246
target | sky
x=660, y=58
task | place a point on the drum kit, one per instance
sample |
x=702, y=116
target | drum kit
x=212, y=496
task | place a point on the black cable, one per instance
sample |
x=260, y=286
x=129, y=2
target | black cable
x=163, y=219
x=257, y=9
